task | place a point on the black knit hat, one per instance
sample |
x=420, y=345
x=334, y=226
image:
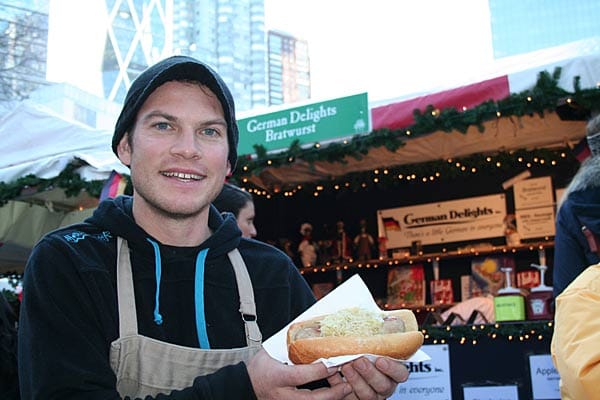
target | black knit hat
x=173, y=69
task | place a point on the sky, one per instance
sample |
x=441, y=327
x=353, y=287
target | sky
x=388, y=48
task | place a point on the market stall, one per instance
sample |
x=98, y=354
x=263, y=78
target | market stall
x=51, y=174
x=483, y=150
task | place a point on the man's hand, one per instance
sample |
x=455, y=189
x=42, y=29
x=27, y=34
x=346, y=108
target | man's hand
x=273, y=380
x=369, y=380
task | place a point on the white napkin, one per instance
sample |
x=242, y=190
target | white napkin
x=352, y=293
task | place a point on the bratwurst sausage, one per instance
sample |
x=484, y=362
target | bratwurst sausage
x=354, y=331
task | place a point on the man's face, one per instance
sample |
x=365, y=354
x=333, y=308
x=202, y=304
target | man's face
x=178, y=153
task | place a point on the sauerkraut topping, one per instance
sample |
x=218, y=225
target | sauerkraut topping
x=353, y=321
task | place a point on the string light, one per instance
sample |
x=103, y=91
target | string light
x=474, y=333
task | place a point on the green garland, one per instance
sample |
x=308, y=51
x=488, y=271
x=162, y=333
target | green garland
x=471, y=334
x=544, y=97
x=69, y=180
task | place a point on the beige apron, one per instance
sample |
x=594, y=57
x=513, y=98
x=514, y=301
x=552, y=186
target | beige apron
x=146, y=366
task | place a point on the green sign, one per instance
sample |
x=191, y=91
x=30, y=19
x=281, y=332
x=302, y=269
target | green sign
x=312, y=123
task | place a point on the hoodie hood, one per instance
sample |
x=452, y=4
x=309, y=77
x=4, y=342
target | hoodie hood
x=583, y=194
x=586, y=205
x=116, y=216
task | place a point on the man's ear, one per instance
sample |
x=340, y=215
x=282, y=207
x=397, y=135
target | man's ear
x=124, y=149
x=228, y=169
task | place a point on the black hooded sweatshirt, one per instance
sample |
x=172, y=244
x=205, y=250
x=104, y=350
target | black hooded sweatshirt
x=69, y=314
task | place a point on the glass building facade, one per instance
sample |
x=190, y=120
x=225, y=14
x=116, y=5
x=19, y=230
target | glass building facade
x=23, y=47
x=139, y=33
x=230, y=36
x=289, y=69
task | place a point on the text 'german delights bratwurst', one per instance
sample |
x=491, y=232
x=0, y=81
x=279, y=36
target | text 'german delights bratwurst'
x=354, y=331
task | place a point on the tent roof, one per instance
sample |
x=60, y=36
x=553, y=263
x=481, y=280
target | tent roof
x=506, y=133
x=36, y=141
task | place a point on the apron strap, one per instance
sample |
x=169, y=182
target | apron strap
x=125, y=294
x=247, y=304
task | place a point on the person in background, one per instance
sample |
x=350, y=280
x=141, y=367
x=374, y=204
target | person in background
x=157, y=295
x=576, y=243
x=9, y=382
x=307, y=248
x=240, y=203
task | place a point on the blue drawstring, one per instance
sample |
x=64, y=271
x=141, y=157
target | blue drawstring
x=198, y=294
x=158, y=320
x=199, y=300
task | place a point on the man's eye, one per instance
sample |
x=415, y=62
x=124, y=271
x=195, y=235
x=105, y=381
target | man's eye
x=210, y=132
x=162, y=126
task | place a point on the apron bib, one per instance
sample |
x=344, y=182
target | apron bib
x=146, y=366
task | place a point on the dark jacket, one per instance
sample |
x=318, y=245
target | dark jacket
x=9, y=383
x=580, y=207
x=69, y=312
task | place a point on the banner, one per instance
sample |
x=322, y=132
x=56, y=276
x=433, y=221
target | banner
x=311, y=123
x=450, y=221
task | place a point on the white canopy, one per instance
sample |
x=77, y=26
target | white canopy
x=37, y=141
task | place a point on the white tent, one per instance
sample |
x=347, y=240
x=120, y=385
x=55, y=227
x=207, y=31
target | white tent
x=37, y=141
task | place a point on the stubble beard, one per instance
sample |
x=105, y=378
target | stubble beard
x=160, y=206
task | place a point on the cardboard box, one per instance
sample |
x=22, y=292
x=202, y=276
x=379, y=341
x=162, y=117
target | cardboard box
x=406, y=286
x=442, y=291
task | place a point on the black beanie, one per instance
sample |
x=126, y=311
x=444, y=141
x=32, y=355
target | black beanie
x=173, y=69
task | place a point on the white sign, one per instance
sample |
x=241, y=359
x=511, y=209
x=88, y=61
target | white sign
x=505, y=392
x=535, y=192
x=428, y=379
x=449, y=221
x=544, y=377
x=536, y=222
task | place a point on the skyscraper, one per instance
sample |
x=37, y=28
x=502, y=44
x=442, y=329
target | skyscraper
x=139, y=33
x=289, y=69
x=230, y=36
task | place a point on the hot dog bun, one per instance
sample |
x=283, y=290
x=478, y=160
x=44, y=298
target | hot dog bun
x=354, y=331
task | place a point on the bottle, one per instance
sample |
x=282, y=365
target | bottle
x=509, y=303
x=540, y=303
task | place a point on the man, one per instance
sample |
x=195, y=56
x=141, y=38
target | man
x=157, y=294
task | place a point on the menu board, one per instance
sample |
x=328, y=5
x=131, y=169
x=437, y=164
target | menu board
x=534, y=208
